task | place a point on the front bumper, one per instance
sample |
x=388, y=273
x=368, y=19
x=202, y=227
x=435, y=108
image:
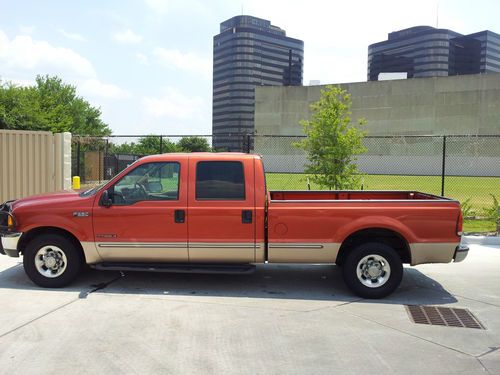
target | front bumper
x=460, y=253
x=9, y=243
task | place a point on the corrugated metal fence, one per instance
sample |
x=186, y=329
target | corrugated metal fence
x=33, y=162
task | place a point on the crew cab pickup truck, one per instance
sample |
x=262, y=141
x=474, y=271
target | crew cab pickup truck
x=210, y=212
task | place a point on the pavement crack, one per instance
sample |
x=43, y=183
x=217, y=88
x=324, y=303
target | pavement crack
x=333, y=307
x=483, y=366
x=492, y=349
x=412, y=335
x=442, y=291
x=38, y=318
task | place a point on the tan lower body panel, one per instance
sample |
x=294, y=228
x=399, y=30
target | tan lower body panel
x=143, y=252
x=91, y=254
x=207, y=252
x=303, y=252
x=432, y=252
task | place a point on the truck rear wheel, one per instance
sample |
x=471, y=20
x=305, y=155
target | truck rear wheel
x=372, y=270
x=51, y=261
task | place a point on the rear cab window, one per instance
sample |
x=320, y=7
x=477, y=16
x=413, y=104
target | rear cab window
x=220, y=180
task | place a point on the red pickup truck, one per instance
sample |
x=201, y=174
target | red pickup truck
x=210, y=212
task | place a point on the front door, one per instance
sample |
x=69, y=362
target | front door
x=221, y=210
x=146, y=220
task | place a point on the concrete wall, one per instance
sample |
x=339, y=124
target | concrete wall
x=460, y=105
x=33, y=163
x=468, y=104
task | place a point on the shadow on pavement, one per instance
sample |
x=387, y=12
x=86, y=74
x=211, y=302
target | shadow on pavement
x=304, y=282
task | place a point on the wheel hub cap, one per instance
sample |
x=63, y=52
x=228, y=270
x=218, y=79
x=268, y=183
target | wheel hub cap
x=373, y=271
x=50, y=261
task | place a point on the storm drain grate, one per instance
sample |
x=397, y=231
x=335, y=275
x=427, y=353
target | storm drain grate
x=443, y=316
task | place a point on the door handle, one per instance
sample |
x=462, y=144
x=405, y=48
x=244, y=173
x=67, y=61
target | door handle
x=180, y=216
x=246, y=216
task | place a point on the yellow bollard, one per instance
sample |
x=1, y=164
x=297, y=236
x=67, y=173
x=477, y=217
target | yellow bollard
x=76, y=182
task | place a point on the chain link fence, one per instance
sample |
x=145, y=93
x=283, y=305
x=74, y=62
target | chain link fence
x=465, y=167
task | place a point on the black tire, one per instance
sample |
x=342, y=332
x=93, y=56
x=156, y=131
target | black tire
x=386, y=261
x=68, y=269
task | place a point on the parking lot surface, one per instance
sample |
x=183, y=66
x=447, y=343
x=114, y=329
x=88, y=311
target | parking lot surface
x=283, y=319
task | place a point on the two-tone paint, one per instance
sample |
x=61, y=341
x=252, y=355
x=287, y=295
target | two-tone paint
x=286, y=227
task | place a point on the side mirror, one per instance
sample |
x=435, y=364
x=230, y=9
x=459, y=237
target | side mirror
x=106, y=201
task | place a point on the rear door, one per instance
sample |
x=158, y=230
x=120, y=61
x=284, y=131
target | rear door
x=221, y=210
x=147, y=218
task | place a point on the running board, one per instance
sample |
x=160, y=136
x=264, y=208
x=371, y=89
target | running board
x=176, y=268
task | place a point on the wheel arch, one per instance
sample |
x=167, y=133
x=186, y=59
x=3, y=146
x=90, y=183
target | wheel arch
x=383, y=235
x=33, y=233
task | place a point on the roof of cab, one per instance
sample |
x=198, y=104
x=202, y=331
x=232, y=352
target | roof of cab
x=200, y=155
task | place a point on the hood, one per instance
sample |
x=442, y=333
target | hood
x=59, y=197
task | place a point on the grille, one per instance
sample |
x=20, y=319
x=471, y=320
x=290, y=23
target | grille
x=443, y=316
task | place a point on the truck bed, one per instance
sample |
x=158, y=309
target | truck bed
x=326, y=195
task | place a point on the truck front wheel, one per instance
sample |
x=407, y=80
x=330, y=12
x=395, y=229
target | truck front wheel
x=51, y=261
x=372, y=270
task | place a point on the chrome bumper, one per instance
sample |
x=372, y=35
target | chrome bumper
x=460, y=253
x=9, y=243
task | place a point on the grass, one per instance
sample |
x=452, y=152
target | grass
x=478, y=189
x=479, y=226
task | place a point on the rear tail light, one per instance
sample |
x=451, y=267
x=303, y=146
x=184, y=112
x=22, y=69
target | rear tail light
x=459, y=224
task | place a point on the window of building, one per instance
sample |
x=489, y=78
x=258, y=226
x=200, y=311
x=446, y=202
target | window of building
x=220, y=180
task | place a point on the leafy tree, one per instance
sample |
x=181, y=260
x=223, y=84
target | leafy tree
x=145, y=146
x=194, y=144
x=332, y=142
x=49, y=105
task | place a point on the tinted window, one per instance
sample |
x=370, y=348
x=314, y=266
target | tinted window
x=148, y=182
x=222, y=180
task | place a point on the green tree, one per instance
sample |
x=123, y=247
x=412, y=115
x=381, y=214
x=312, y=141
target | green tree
x=150, y=145
x=332, y=142
x=50, y=105
x=194, y=144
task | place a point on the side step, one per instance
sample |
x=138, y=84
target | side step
x=176, y=268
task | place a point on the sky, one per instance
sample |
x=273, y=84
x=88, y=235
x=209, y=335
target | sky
x=148, y=63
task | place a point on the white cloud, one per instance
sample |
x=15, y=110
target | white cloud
x=25, y=53
x=175, y=104
x=96, y=88
x=22, y=56
x=127, y=37
x=72, y=36
x=27, y=29
x=189, y=61
x=143, y=59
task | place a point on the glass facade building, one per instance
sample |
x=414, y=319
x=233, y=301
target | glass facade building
x=425, y=51
x=248, y=52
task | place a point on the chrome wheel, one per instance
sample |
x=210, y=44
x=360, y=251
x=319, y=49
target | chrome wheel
x=51, y=261
x=373, y=271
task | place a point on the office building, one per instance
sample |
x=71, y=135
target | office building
x=425, y=51
x=248, y=52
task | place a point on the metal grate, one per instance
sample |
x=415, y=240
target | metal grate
x=443, y=316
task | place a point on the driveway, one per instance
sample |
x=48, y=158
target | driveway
x=280, y=320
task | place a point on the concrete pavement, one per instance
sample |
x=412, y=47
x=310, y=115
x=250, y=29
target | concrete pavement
x=282, y=319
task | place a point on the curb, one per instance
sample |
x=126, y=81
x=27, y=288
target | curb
x=481, y=240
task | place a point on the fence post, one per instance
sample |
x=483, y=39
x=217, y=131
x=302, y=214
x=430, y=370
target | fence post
x=248, y=143
x=78, y=158
x=443, y=170
x=161, y=144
